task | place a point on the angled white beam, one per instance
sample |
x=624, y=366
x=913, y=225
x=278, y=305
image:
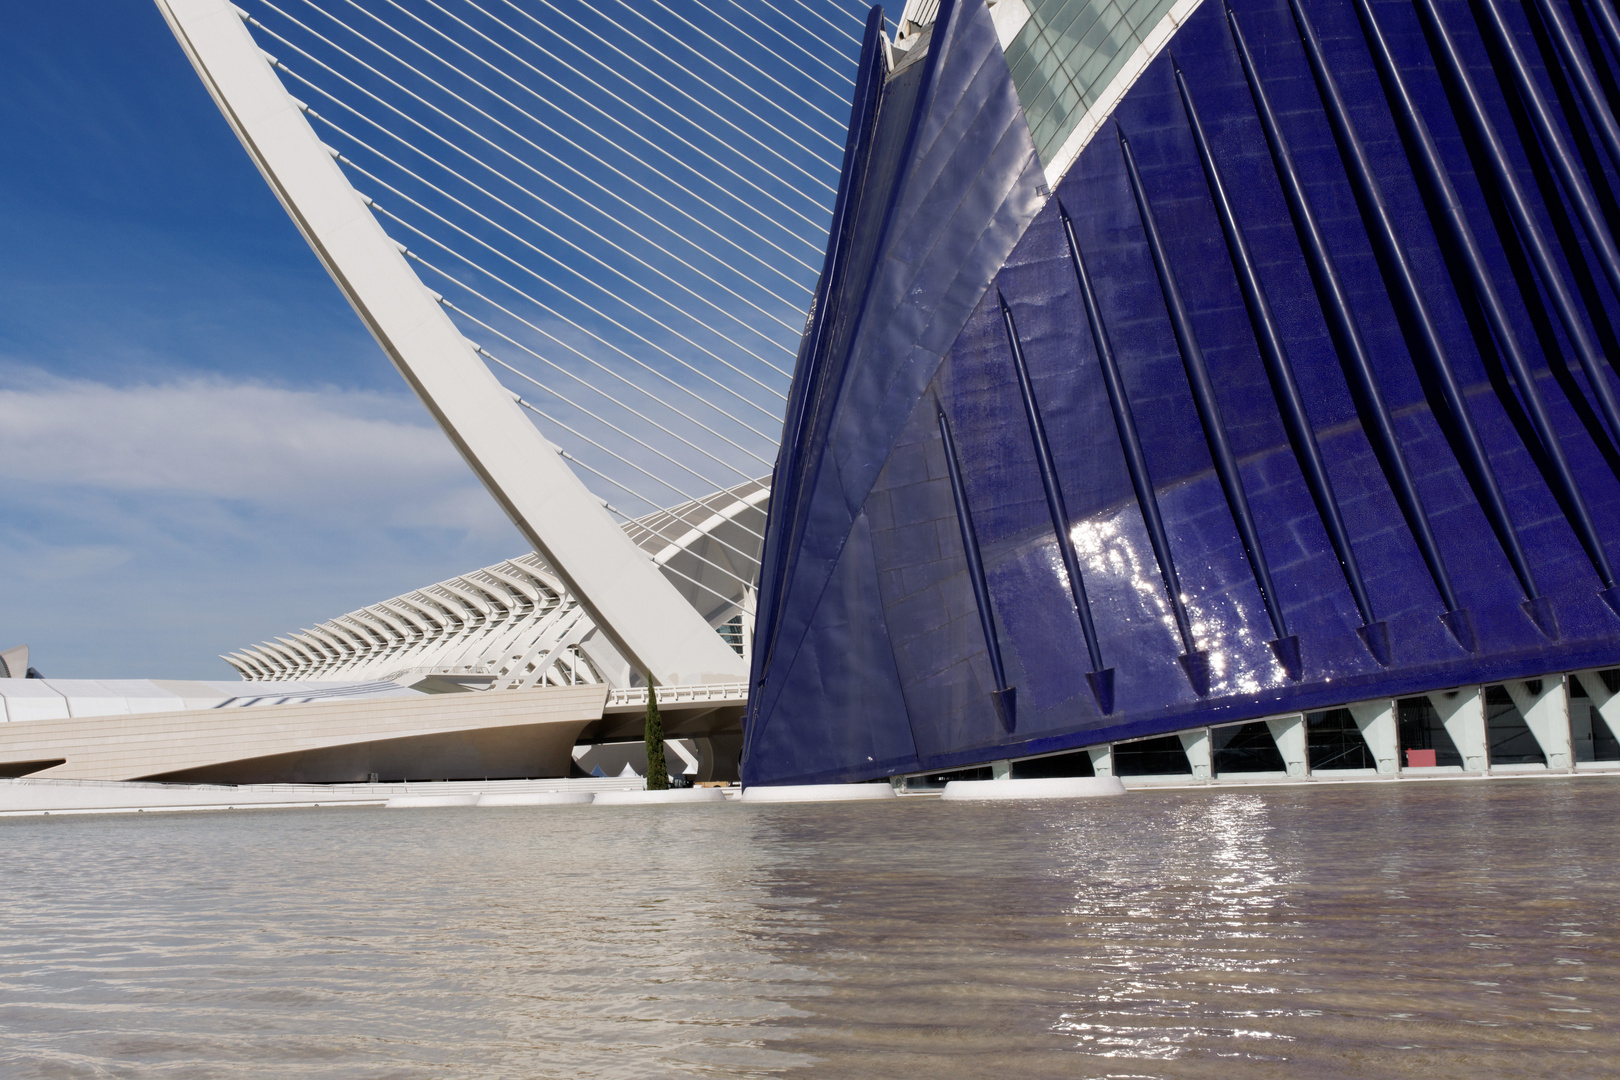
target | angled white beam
x=440, y=618
x=408, y=614
x=248, y=666
x=282, y=657
x=471, y=598
x=639, y=611
x=364, y=635
x=517, y=583
x=326, y=650
x=246, y=670
x=378, y=613
x=308, y=658
x=337, y=635
x=390, y=635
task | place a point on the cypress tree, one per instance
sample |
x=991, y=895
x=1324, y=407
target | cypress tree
x=657, y=772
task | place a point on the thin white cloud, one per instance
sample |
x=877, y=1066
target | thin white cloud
x=326, y=453
x=147, y=528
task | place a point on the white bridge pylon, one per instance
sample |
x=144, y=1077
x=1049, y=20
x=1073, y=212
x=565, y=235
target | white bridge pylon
x=639, y=611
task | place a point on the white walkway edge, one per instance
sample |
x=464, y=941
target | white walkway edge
x=537, y=798
x=418, y=801
x=658, y=798
x=803, y=793
x=1067, y=787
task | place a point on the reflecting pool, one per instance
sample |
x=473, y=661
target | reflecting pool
x=1445, y=929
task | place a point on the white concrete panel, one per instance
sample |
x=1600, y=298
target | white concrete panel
x=1009, y=17
x=1289, y=734
x=1462, y=714
x=32, y=699
x=144, y=695
x=1196, y=744
x=1376, y=720
x=89, y=697
x=1546, y=714
x=630, y=601
x=194, y=694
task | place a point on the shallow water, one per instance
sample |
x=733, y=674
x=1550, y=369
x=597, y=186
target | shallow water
x=1459, y=929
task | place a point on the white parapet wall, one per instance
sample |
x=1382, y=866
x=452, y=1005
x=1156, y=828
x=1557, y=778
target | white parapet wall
x=510, y=733
x=35, y=797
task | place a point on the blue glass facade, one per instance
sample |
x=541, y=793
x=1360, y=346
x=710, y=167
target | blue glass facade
x=1294, y=392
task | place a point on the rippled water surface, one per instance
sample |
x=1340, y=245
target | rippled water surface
x=1374, y=930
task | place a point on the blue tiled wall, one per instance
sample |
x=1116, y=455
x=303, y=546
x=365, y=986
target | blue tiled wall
x=872, y=659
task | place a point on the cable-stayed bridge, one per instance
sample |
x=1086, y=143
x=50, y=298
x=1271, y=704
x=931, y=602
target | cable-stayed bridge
x=588, y=234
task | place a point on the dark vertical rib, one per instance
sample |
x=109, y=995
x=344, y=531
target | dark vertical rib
x=1446, y=211
x=1592, y=158
x=1581, y=75
x=1101, y=678
x=1603, y=15
x=1351, y=348
x=1003, y=695
x=1423, y=337
x=1290, y=405
x=1488, y=145
x=1565, y=237
x=1601, y=66
x=1194, y=661
x=1569, y=174
x=1286, y=645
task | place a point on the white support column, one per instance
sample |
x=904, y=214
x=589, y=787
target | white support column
x=629, y=599
x=1376, y=719
x=1604, y=703
x=1289, y=734
x=1001, y=770
x=1196, y=744
x=1102, y=759
x=1546, y=714
x=1462, y=714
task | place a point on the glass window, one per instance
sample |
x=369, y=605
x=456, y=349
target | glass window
x=1075, y=764
x=934, y=781
x=1152, y=757
x=1144, y=15
x=1245, y=748
x=1424, y=740
x=1505, y=730
x=1594, y=740
x=1333, y=741
x=1070, y=35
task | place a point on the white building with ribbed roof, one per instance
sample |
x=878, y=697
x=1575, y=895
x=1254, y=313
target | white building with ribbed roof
x=514, y=625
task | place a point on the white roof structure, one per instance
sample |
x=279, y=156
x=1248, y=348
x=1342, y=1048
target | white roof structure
x=514, y=625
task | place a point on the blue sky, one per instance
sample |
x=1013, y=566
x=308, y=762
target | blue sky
x=202, y=447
